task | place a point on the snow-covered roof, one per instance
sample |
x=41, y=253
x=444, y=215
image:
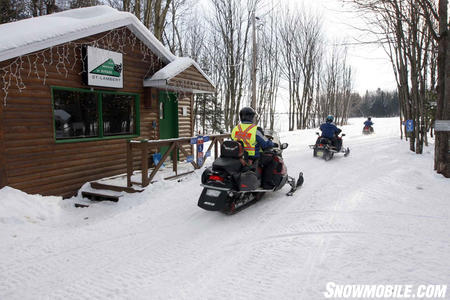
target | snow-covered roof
x=173, y=69
x=34, y=34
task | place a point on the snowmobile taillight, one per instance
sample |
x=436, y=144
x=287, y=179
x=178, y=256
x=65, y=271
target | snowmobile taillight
x=216, y=178
x=320, y=145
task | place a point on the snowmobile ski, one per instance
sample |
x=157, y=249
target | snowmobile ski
x=295, y=185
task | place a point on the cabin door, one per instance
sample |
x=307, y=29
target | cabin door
x=168, y=117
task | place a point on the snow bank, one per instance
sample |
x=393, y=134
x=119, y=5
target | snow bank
x=17, y=207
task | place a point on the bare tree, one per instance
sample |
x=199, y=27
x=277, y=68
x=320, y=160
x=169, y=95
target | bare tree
x=403, y=28
x=440, y=34
x=231, y=22
x=290, y=60
x=152, y=13
x=337, y=86
x=268, y=68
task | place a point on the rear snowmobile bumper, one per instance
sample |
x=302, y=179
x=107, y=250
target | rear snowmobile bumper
x=213, y=198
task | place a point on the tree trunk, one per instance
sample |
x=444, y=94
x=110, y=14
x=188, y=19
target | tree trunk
x=442, y=162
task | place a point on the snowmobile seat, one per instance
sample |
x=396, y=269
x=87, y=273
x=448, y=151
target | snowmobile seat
x=227, y=164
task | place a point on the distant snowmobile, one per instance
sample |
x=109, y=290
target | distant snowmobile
x=325, y=149
x=231, y=185
x=367, y=130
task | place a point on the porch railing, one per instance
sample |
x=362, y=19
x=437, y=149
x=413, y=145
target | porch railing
x=144, y=145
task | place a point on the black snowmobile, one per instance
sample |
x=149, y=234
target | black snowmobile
x=324, y=147
x=231, y=184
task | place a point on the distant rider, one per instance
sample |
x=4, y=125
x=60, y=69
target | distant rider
x=369, y=124
x=251, y=136
x=330, y=131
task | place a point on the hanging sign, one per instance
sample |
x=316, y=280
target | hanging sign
x=104, y=68
x=442, y=125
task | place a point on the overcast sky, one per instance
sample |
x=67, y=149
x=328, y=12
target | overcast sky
x=372, y=68
x=370, y=64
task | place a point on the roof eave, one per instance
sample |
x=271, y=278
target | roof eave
x=164, y=85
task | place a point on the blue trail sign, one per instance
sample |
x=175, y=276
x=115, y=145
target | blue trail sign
x=409, y=125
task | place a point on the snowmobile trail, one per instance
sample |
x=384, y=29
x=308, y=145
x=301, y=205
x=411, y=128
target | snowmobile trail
x=378, y=216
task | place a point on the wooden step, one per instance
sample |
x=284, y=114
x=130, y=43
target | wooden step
x=116, y=188
x=99, y=197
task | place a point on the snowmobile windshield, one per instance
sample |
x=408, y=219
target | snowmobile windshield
x=272, y=135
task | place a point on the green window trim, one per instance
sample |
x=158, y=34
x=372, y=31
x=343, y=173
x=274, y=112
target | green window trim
x=100, y=136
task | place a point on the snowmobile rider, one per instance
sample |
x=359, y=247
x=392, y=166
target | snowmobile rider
x=369, y=123
x=251, y=136
x=330, y=131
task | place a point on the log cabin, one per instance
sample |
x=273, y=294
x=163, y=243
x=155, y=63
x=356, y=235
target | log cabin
x=75, y=85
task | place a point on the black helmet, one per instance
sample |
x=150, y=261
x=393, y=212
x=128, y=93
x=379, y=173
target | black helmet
x=247, y=114
x=369, y=118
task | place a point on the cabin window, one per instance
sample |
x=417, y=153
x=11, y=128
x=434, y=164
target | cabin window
x=75, y=114
x=118, y=114
x=83, y=115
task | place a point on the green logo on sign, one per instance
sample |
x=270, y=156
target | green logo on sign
x=108, y=68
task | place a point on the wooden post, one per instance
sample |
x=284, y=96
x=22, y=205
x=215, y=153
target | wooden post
x=129, y=162
x=175, y=158
x=174, y=146
x=186, y=154
x=216, y=148
x=163, y=159
x=213, y=142
x=144, y=163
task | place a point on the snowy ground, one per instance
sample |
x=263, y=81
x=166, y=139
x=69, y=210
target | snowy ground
x=379, y=216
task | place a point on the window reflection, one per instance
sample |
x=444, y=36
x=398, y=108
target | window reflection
x=75, y=114
x=118, y=114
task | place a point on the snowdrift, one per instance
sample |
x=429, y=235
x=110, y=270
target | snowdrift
x=17, y=207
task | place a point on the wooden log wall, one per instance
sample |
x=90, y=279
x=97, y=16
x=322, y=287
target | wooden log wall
x=191, y=77
x=30, y=159
x=2, y=151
